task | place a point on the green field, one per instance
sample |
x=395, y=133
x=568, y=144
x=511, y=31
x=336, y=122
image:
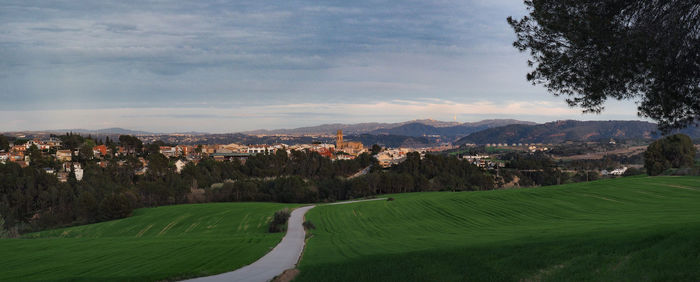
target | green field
x=154, y=244
x=629, y=229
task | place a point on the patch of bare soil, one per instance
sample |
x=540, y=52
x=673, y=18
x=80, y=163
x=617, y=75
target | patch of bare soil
x=599, y=155
x=287, y=275
x=543, y=273
x=602, y=198
x=513, y=183
x=681, y=187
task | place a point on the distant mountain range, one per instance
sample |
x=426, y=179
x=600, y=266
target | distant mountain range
x=451, y=132
x=569, y=130
x=104, y=131
x=413, y=128
x=422, y=132
x=108, y=131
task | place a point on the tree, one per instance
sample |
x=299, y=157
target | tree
x=35, y=157
x=18, y=142
x=4, y=143
x=376, y=149
x=131, y=143
x=71, y=141
x=593, y=50
x=158, y=165
x=674, y=151
x=86, y=152
x=114, y=206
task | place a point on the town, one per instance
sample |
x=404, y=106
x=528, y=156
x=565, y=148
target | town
x=101, y=151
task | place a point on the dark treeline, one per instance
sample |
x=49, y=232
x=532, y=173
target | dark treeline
x=31, y=199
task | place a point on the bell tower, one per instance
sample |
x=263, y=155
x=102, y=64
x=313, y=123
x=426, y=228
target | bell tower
x=339, y=139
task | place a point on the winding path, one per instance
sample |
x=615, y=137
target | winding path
x=284, y=256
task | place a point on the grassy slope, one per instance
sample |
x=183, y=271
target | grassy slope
x=635, y=228
x=154, y=244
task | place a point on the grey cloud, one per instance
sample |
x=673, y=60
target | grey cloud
x=174, y=54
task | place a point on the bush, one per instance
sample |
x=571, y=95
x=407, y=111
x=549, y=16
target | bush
x=115, y=206
x=9, y=232
x=633, y=171
x=279, y=221
x=675, y=151
x=308, y=225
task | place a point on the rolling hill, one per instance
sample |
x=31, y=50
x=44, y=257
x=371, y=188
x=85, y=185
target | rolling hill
x=408, y=128
x=164, y=243
x=561, y=131
x=453, y=131
x=627, y=229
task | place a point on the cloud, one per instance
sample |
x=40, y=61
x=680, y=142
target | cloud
x=248, y=117
x=60, y=59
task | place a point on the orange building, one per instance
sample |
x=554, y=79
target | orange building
x=100, y=148
x=352, y=147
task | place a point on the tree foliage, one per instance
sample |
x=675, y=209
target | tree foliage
x=4, y=143
x=594, y=50
x=674, y=151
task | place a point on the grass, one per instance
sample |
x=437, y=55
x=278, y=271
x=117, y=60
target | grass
x=629, y=229
x=172, y=242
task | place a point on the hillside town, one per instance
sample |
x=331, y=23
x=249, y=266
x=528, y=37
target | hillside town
x=67, y=160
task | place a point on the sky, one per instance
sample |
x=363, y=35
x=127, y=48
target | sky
x=229, y=66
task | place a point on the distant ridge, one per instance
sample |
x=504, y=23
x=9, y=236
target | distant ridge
x=452, y=131
x=110, y=131
x=570, y=130
x=408, y=128
x=104, y=131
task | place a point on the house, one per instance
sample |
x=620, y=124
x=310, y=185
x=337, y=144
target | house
x=64, y=155
x=185, y=150
x=168, y=151
x=179, y=165
x=231, y=156
x=62, y=176
x=263, y=149
x=18, y=148
x=343, y=157
x=77, y=169
x=16, y=156
x=209, y=149
x=99, y=150
x=619, y=171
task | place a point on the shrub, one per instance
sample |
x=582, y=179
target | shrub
x=308, y=225
x=279, y=221
x=9, y=232
x=675, y=151
x=115, y=206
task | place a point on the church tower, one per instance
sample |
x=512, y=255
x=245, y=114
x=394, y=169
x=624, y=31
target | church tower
x=339, y=140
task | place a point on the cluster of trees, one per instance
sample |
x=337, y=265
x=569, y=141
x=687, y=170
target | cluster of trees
x=308, y=177
x=31, y=199
x=608, y=162
x=536, y=169
x=675, y=151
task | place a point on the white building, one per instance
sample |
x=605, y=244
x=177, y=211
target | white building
x=179, y=165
